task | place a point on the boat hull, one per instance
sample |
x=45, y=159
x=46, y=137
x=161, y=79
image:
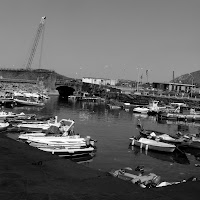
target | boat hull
x=68, y=152
x=28, y=103
x=152, y=145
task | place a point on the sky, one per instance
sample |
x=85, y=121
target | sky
x=115, y=39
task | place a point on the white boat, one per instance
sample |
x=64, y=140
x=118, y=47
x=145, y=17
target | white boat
x=68, y=151
x=4, y=126
x=60, y=141
x=114, y=107
x=141, y=109
x=65, y=137
x=152, y=144
x=41, y=125
x=154, y=108
x=62, y=127
x=4, y=114
x=28, y=101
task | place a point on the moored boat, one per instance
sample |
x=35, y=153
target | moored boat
x=149, y=180
x=141, y=109
x=68, y=151
x=42, y=125
x=4, y=126
x=150, y=144
x=28, y=101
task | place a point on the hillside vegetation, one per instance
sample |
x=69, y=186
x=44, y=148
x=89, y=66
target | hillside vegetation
x=190, y=78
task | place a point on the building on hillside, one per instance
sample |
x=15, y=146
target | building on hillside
x=99, y=81
x=177, y=87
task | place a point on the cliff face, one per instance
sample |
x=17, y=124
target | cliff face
x=190, y=78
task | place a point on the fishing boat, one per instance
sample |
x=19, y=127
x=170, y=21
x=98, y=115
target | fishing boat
x=150, y=144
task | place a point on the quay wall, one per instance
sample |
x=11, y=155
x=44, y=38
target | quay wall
x=29, y=76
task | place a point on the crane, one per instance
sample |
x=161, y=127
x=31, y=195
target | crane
x=40, y=31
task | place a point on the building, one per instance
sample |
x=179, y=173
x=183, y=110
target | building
x=177, y=87
x=99, y=81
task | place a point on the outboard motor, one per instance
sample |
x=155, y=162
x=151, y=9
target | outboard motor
x=88, y=141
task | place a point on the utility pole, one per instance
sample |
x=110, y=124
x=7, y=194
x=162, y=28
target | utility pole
x=138, y=78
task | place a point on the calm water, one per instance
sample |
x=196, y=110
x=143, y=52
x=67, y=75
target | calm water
x=112, y=129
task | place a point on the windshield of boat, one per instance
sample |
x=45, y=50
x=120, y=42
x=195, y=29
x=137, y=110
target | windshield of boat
x=66, y=123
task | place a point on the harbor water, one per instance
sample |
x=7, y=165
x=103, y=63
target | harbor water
x=112, y=130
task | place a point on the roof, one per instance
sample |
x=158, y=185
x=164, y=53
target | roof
x=181, y=84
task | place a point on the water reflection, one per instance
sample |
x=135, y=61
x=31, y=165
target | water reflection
x=84, y=160
x=176, y=156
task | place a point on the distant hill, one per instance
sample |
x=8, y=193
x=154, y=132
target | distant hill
x=193, y=77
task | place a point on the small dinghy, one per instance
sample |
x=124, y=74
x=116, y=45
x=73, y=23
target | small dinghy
x=150, y=180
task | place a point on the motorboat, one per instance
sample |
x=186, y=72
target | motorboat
x=163, y=137
x=68, y=151
x=60, y=141
x=181, y=113
x=113, y=106
x=5, y=115
x=154, y=108
x=30, y=118
x=60, y=128
x=159, y=136
x=4, y=126
x=28, y=101
x=141, y=109
x=150, y=144
x=42, y=125
x=61, y=136
x=180, y=140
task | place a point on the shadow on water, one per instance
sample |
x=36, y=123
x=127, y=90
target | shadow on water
x=84, y=160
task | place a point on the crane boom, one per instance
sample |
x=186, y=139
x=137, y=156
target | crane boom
x=35, y=42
